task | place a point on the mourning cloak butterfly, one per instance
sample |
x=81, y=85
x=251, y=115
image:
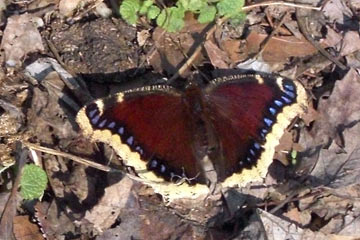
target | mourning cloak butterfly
x=179, y=141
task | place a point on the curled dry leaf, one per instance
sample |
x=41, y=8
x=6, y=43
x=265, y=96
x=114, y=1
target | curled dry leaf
x=277, y=228
x=339, y=116
x=68, y=7
x=26, y=230
x=21, y=37
x=217, y=56
x=105, y=213
x=54, y=222
x=337, y=11
x=351, y=43
x=278, y=49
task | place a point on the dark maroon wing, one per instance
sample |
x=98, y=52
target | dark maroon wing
x=152, y=126
x=243, y=110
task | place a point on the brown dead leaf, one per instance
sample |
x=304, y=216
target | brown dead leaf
x=338, y=120
x=217, y=57
x=278, y=49
x=285, y=146
x=105, y=213
x=173, y=49
x=338, y=208
x=337, y=11
x=142, y=37
x=68, y=7
x=47, y=116
x=332, y=37
x=151, y=221
x=302, y=218
x=277, y=228
x=351, y=43
x=331, y=206
x=347, y=225
x=21, y=37
x=232, y=48
x=26, y=230
x=310, y=115
x=54, y=222
x=342, y=109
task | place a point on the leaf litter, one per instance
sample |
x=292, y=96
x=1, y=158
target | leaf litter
x=317, y=196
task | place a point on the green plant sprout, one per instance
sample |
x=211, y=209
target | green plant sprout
x=172, y=18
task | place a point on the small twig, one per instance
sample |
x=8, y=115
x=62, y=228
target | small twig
x=9, y=212
x=56, y=54
x=302, y=21
x=148, y=55
x=265, y=43
x=197, y=51
x=85, y=162
x=78, y=17
x=281, y=3
x=289, y=199
x=78, y=83
x=69, y=156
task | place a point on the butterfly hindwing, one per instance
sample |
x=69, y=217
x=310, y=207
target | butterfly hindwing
x=249, y=115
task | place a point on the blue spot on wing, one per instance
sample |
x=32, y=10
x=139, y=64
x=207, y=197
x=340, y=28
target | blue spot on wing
x=278, y=103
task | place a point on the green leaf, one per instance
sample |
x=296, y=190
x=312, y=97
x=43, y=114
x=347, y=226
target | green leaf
x=33, y=182
x=183, y=4
x=153, y=12
x=145, y=6
x=207, y=14
x=293, y=155
x=197, y=5
x=238, y=18
x=171, y=19
x=129, y=10
x=192, y=5
x=160, y=20
x=229, y=7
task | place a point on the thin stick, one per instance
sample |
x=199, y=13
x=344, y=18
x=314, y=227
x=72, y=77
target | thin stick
x=84, y=161
x=69, y=156
x=267, y=40
x=303, y=26
x=281, y=3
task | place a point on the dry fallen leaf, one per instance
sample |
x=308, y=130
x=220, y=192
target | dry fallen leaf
x=338, y=120
x=277, y=228
x=351, y=43
x=105, y=213
x=54, y=222
x=336, y=11
x=21, y=37
x=26, y=230
x=68, y=7
x=232, y=48
x=278, y=49
x=301, y=218
x=173, y=49
x=217, y=57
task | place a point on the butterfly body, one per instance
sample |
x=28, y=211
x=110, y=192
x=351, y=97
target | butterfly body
x=224, y=133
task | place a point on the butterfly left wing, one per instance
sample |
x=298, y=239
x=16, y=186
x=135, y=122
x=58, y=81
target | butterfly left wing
x=148, y=129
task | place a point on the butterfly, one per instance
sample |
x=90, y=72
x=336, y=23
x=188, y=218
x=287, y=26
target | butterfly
x=182, y=141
